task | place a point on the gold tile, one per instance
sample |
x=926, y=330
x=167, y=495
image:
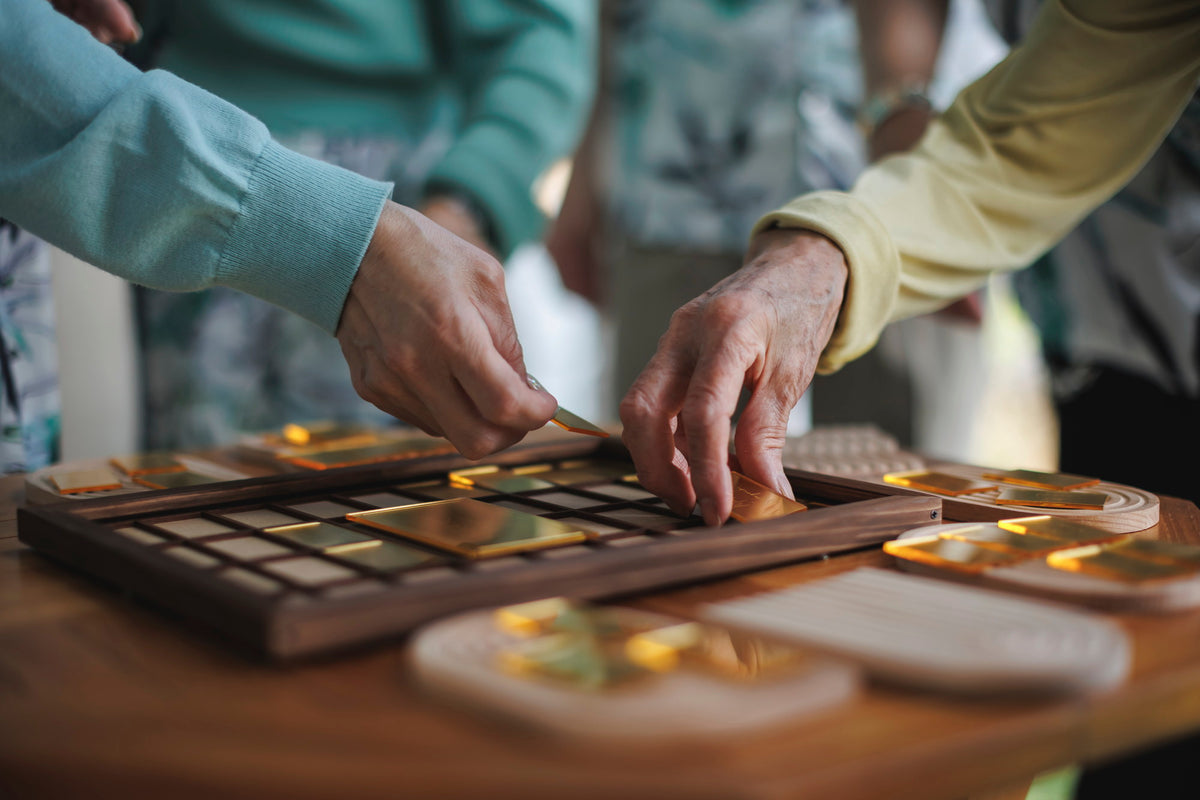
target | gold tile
x=1044, y=498
x=574, y=423
x=498, y=479
x=1107, y=561
x=385, y=556
x=994, y=537
x=445, y=491
x=470, y=528
x=320, y=535
x=146, y=463
x=754, y=501
x=259, y=517
x=174, y=480
x=662, y=649
x=1155, y=550
x=86, y=480
x=1042, y=480
x=566, y=420
x=578, y=660
x=950, y=554
x=532, y=618
x=937, y=482
x=370, y=454
x=1052, y=527
x=325, y=432
x=575, y=473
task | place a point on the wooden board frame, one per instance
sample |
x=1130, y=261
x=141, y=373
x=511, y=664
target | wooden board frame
x=78, y=534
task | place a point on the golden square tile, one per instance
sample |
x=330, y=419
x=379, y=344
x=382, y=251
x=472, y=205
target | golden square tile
x=937, y=482
x=470, y=528
x=1042, y=480
x=86, y=480
x=950, y=554
x=1044, y=498
x=754, y=501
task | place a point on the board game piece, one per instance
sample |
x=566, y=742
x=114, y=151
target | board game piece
x=1044, y=498
x=952, y=554
x=1112, y=561
x=567, y=420
x=85, y=480
x=471, y=528
x=938, y=482
x=753, y=501
x=498, y=480
x=1064, y=530
x=1041, y=480
x=174, y=480
x=146, y=463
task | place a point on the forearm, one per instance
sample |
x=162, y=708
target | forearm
x=158, y=182
x=533, y=85
x=1018, y=159
x=899, y=41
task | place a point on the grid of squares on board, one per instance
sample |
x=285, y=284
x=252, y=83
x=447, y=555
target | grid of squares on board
x=307, y=545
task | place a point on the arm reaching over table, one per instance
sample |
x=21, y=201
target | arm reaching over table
x=429, y=337
x=157, y=181
x=761, y=327
x=1018, y=159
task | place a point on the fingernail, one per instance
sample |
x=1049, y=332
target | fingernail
x=708, y=510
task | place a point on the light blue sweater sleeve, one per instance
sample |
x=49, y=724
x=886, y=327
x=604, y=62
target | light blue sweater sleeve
x=157, y=181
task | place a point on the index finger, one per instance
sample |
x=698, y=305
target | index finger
x=648, y=413
x=707, y=418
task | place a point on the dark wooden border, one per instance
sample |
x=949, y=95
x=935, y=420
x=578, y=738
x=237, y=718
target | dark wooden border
x=858, y=515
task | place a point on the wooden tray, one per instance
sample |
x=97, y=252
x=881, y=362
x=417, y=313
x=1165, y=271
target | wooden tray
x=246, y=601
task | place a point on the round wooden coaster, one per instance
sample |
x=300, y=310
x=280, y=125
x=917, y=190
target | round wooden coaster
x=457, y=658
x=1127, y=509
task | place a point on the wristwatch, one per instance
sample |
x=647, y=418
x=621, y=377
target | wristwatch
x=881, y=105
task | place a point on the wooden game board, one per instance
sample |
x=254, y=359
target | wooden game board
x=204, y=552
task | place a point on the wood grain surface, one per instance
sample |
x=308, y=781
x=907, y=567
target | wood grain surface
x=101, y=697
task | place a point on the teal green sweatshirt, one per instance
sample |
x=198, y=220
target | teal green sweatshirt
x=164, y=184
x=515, y=78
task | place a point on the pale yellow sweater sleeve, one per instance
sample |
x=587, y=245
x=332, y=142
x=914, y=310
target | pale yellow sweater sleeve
x=1018, y=159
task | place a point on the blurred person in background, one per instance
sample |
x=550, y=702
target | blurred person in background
x=1117, y=307
x=708, y=113
x=461, y=105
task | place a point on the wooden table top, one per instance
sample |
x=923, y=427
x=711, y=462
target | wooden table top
x=100, y=696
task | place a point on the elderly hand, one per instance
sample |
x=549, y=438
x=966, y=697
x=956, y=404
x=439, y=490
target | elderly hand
x=429, y=338
x=108, y=20
x=762, y=329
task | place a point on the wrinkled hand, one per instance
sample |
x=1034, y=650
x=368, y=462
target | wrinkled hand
x=429, y=338
x=452, y=215
x=108, y=20
x=762, y=328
